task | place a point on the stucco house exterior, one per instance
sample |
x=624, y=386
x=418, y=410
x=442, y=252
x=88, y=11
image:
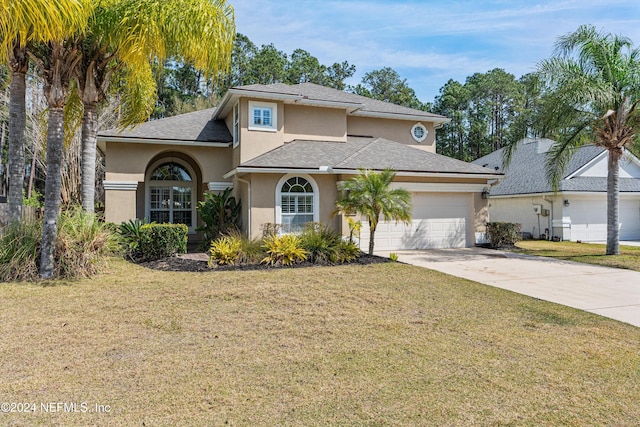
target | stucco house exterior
x=284, y=149
x=578, y=211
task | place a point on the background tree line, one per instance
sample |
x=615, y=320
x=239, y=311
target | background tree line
x=488, y=111
x=182, y=88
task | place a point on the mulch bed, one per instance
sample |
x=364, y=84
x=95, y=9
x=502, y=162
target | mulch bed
x=197, y=262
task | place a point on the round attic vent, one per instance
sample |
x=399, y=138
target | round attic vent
x=419, y=132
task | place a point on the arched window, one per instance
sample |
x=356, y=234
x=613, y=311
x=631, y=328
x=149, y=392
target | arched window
x=171, y=194
x=298, y=203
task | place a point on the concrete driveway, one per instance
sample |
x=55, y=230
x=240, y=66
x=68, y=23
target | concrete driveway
x=609, y=292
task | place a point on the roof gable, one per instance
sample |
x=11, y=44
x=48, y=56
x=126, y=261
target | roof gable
x=598, y=167
x=313, y=94
x=586, y=170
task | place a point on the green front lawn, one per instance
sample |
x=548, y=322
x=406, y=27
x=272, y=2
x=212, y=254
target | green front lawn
x=629, y=257
x=384, y=344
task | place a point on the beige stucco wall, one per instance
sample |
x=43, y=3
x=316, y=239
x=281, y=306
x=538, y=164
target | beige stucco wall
x=119, y=205
x=263, y=200
x=256, y=142
x=305, y=122
x=480, y=213
x=394, y=130
x=129, y=162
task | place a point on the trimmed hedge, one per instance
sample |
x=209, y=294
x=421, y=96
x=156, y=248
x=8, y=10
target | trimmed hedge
x=162, y=240
x=503, y=234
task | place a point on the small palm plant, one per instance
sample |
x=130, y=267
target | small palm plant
x=220, y=214
x=370, y=194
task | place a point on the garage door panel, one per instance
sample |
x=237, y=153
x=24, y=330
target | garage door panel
x=589, y=219
x=439, y=221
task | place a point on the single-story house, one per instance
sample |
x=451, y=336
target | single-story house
x=284, y=149
x=578, y=211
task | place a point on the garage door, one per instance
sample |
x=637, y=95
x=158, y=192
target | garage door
x=589, y=220
x=439, y=221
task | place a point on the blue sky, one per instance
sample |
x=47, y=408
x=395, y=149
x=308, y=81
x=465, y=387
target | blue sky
x=429, y=42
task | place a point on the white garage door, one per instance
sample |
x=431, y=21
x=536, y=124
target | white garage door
x=589, y=220
x=439, y=221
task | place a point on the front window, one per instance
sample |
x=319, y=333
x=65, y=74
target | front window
x=171, y=195
x=236, y=125
x=297, y=204
x=262, y=116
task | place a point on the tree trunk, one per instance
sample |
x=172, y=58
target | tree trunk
x=372, y=236
x=55, y=146
x=17, y=127
x=613, y=200
x=88, y=163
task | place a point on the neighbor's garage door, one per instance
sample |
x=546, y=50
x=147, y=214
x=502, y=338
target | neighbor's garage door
x=589, y=220
x=439, y=221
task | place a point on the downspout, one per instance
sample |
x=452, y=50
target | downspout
x=248, y=205
x=550, y=220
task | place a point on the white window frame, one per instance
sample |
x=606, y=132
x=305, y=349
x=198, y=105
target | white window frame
x=316, y=196
x=424, y=135
x=236, y=125
x=253, y=105
x=191, y=184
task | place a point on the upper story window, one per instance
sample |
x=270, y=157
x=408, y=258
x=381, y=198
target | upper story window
x=419, y=132
x=263, y=116
x=236, y=125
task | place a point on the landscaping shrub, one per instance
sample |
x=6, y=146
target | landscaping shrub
x=220, y=214
x=20, y=247
x=285, y=250
x=503, y=234
x=236, y=248
x=162, y=240
x=270, y=229
x=321, y=243
x=82, y=245
x=348, y=251
x=130, y=238
x=225, y=251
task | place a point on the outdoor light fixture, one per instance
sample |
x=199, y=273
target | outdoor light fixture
x=485, y=193
x=566, y=203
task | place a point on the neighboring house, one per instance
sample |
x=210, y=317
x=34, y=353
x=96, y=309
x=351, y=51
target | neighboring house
x=284, y=149
x=578, y=211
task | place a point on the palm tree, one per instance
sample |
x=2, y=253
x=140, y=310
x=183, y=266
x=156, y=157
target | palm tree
x=119, y=34
x=370, y=194
x=126, y=35
x=23, y=24
x=594, y=81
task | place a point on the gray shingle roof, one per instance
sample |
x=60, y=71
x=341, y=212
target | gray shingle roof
x=526, y=173
x=359, y=152
x=195, y=126
x=311, y=91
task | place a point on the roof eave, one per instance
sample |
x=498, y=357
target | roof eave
x=189, y=143
x=327, y=170
x=234, y=93
x=401, y=116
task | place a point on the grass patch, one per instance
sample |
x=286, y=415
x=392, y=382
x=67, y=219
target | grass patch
x=383, y=344
x=587, y=253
